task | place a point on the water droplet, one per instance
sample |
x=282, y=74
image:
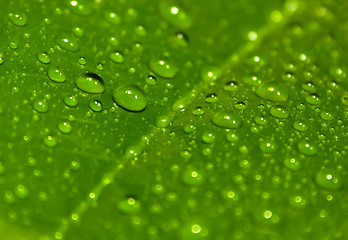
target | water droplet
x=56, y=74
x=50, y=141
x=328, y=180
x=44, y=57
x=163, y=67
x=81, y=7
x=19, y=19
x=65, y=127
x=262, y=121
x=313, y=99
x=240, y=105
x=273, y=91
x=198, y=111
x=96, y=105
x=13, y=45
x=112, y=17
x=279, y=112
x=189, y=128
x=113, y=41
x=309, y=87
x=326, y=116
x=2, y=169
x=300, y=126
x=140, y=31
x=307, y=148
x=162, y=121
x=292, y=164
x=208, y=137
x=211, y=98
x=70, y=101
x=78, y=32
x=117, y=57
x=231, y=86
x=268, y=146
x=9, y=197
x=21, y=191
x=232, y=137
x=129, y=206
x=151, y=80
x=40, y=106
x=68, y=43
x=90, y=83
x=130, y=98
x=82, y=61
x=175, y=14
x=226, y=120
x=192, y=178
x=210, y=74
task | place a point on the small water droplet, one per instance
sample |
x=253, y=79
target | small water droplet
x=273, y=91
x=328, y=180
x=78, y=32
x=232, y=137
x=129, y=206
x=70, y=101
x=226, y=120
x=130, y=98
x=163, y=67
x=192, y=178
x=268, y=146
x=56, y=74
x=21, y=191
x=262, y=121
x=90, y=83
x=292, y=164
x=313, y=99
x=300, y=126
x=198, y=111
x=279, y=112
x=231, y=86
x=117, y=57
x=326, y=116
x=96, y=106
x=50, y=141
x=162, y=121
x=175, y=14
x=306, y=147
x=44, y=57
x=18, y=19
x=151, y=80
x=81, y=7
x=208, y=137
x=211, y=98
x=112, y=17
x=40, y=105
x=68, y=43
x=210, y=74
x=64, y=127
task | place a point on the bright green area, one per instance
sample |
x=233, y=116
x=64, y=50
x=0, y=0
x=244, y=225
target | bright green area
x=173, y=120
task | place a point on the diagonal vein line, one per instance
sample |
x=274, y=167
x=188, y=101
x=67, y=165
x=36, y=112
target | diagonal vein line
x=186, y=100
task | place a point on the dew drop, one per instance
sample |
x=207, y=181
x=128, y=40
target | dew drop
x=40, y=106
x=163, y=67
x=130, y=98
x=273, y=91
x=231, y=86
x=151, y=80
x=70, y=101
x=279, y=112
x=326, y=116
x=269, y=146
x=65, y=127
x=81, y=7
x=211, y=98
x=175, y=14
x=292, y=164
x=117, y=57
x=300, y=126
x=50, y=141
x=192, y=178
x=129, y=206
x=198, y=111
x=68, y=43
x=19, y=19
x=210, y=74
x=112, y=17
x=232, y=137
x=208, y=137
x=21, y=191
x=162, y=121
x=307, y=148
x=56, y=74
x=226, y=120
x=90, y=83
x=78, y=32
x=96, y=106
x=313, y=99
x=44, y=57
x=328, y=180
x=189, y=128
x=262, y=121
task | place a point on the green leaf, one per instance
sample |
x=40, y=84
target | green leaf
x=173, y=119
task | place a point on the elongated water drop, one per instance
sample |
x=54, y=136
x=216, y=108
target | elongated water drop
x=226, y=120
x=328, y=180
x=279, y=112
x=175, y=14
x=163, y=67
x=273, y=91
x=56, y=74
x=18, y=19
x=68, y=43
x=130, y=98
x=90, y=83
